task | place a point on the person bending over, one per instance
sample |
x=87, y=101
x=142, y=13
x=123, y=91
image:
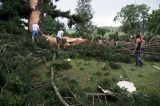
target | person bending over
x=59, y=38
x=35, y=31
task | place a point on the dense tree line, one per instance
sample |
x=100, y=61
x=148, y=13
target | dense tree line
x=136, y=18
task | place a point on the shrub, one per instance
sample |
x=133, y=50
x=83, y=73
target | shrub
x=60, y=65
x=106, y=73
x=114, y=65
x=105, y=83
x=132, y=69
x=152, y=58
x=114, y=36
x=98, y=74
x=99, y=52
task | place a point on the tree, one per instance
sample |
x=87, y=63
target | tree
x=133, y=14
x=153, y=22
x=126, y=28
x=143, y=9
x=85, y=12
x=101, y=31
x=51, y=26
x=128, y=14
x=11, y=11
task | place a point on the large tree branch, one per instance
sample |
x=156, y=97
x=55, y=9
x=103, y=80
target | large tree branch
x=57, y=91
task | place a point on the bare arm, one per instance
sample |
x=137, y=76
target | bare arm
x=40, y=31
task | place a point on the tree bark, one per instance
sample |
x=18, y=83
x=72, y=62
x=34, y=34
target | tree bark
x=35, y=14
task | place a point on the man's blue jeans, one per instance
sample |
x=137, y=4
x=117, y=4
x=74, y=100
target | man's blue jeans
x=137, y=58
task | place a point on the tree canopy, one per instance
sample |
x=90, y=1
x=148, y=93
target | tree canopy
x=133, y=14
x=154, y=22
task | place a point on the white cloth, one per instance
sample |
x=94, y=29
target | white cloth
x=129, y=86
x=60, y=34
x=35, y=27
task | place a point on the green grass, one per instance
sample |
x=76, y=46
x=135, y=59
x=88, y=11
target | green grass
x=88, y=73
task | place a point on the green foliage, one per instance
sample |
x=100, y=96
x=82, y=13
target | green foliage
x=12, y=26
x=11, y=13
x=114, y=65
x=114, y=36
x=126, y=28
x=124, y=38
x=60, y=65
x=153, y=22
x=105, y=83
x=101, y=31
x=85, y=12
x=75, y=35
x=94, y=51
x=152, y=58
x=14, y=8
x=49, y=25
x=132, y=14
x=18, y=57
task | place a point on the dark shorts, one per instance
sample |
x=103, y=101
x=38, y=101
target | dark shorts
x=34, y=33
x=59, y=40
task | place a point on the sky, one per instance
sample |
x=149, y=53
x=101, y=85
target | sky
x=105, y=10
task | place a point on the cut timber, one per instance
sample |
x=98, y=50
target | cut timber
x=57, y=92
x=69, y=40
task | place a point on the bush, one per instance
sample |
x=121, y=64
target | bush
x=106, y=73
x=99, y=52
x=75, y=35
x=13, y=27
x=114, y=65
x=105, y=83
x=124, y=38
x=152, y=58
x=114, y=36
x=60, y=65
x=98, y=74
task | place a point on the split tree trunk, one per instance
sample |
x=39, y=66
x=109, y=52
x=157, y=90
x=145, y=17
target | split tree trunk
x=35, y=14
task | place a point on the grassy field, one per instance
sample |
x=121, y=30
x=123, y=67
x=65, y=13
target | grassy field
x=89, y=73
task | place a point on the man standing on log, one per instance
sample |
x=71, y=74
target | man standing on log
x=138, y=43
